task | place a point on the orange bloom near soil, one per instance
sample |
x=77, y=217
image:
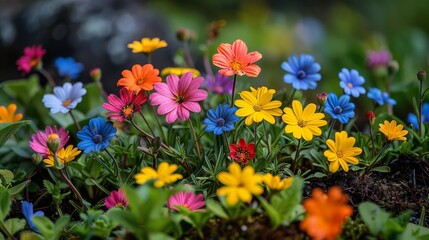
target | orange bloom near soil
x=139, y=78
x=325, y=213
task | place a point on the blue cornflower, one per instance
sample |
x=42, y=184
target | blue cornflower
x=68, y=67
x=351, y=82
x=412, y=118
x=303, y=72
x=27, y=211
x=65, y=97
x=221, y=119
x=96, y=135
x=341, y=109
x=380, y=97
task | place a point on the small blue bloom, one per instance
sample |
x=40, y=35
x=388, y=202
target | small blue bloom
x=68, y=67
x=65, y=97
x=96, y=135
x=27, y=211
x=221, y=119
x=351, y=82
x=380, y=97
x=303, y=72
x=341, y=109
x=412, y=118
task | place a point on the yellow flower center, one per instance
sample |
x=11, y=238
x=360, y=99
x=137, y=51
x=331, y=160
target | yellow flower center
x=339, y=154
x=127, y=110
x=140, y=81
x=67, y=102
x=236, y=66
x=302, y=123
x=350, y=85
x=179, y=99
x=119, y=204
x=257, y=108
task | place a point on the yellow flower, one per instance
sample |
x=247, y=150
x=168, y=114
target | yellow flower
x=163, y=175
x=303, y=123
x=64, y=155
x=147, y=45
x=179, y=71
x=274, y=183
x=239, y=184
x=392, y=131
x=257, y=105
x=8, y=115
x=341, y=152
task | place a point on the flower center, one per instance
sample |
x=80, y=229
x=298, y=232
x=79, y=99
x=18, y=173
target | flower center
x=242, y=155
x=220, y=122
x=67, y=102
x=338, y=110
x=98, y=138
x=339, y=154
x=302, y=123
x=301, y=74
x=119, y=204
x=34, y=62
x=350, y=85
x=140, y=81
x=236, y=66
x=179, y=99
x=257, y=108
x=127, y=110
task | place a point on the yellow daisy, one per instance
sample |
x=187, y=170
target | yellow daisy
x=341, y=152
x=64, y=155
x=179, y=71
x=239, y=184
x=147, y=45
x=392, y=131
x=303, y=123
x=8, y=115
x=162, y=176
x=256, y=105
x=274, y=183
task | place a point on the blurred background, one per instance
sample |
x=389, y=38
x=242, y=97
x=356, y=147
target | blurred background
x=337, y=33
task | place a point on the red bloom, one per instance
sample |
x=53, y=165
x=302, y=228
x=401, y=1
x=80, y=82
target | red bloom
x=242, y=153
x=31, y=59
x=124, y=106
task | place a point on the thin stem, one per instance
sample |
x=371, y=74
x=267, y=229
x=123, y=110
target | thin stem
x=331, y=126
x=149, y=58
x=100, y=87
x=377, y=158
x=187, y=53
x=166, y=147
x=320, y=108
x=420, y=108
x=266, y=133
x=255, y=133
x=197, y=143
x=147, y=123
x=117, y=173
x=372, y=140
x=48, y=77
x=291, y=97
x=72, y=187
x=295, y=161
x=4, y=229
x=206, y=62
x=100, y=161
x=227, y=142
x=74, y=120
x=233, y=90
x=389, y=81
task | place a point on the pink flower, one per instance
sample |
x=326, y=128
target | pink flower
x=186, y=199
x=124, y=106
x=39, y=140
x=178, y=97
x=115, y=199
x=31, y=58
x=234, y=59
x=376, y=59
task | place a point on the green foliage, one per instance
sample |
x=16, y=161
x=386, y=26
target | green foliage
x=50, y=230
x=7, y=129
x=94, y=224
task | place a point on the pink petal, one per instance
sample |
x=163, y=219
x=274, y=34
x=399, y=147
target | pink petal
x=183, y=113
x=252, y=70
x=172, y=116
x=197, y=95
x=163, y=89
x=185, y=81
x=173, y=83
x=226, y=50
x=226, y=72
x=239, y=49
x=166, y=108
x=159, y=99
x=191, y=106
x=220, y=60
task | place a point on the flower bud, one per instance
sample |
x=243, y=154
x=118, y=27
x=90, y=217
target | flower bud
x=321, y=98
x=392, y=67
x=53, y=142
x=215, y=27
x=36, y=158
x=95, y=74
x=421, y=75
x=370, y=117
x=184, y=34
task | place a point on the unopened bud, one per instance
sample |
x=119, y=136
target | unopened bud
x=392, y=67
x=215, y=27
x=370, y=117
x=185, y=35
x=36, y=158
x=95, y=74
x=421, y=75
x=321, y=98
x=53, y=142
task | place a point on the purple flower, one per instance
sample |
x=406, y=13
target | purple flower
x=376, y=59
x=351, y=82
x=219, y=84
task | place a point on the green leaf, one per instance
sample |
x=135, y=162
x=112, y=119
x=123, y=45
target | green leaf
x=271, y=212
x=216, y=209
x=383, y=169
x=373, y=216
x=6, y=176
x=7, y=129
x=45, y=226
x=18, y=188
x=14, y=225
x=4, y=204
x=22, y=89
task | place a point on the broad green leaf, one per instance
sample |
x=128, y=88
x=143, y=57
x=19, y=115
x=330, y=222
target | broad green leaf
x=45, y=226
x=6, y=176
x=14, y=225
x=373, y=216
x=216, y=209
x=7, y=129
x=271, y=212
x=18, y=188
x=4, y=204
x=22, y=89
x=288, y=201
x=383, y=169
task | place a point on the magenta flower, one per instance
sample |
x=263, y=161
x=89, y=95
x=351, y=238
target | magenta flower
x=376, y=59
x=186, y=199
x=31, y=59
x=39, y=143
x=124, y=106
x=178, y=96
x=115, y=199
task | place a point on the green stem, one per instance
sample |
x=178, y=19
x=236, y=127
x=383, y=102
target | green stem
x=101, y=162
x=147, y=123
x=166, y=147
x=117, y=173
x=149, y=58
x=372, y=140
x=331, y=126
x=72, y=187
x=74, y=120
x=291, y=97
x=48, y=77
x=4, y=229
x=377, y=158
x=420, y=108
x=295, y=161
x=233, y=90
x=197, y=143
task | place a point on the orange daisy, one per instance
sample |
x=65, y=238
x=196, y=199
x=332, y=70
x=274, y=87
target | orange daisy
x=139, y=78
x=234, y=59
x=8, y=114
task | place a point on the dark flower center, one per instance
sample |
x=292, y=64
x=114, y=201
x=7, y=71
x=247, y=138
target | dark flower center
x=242, y=155
x=337, y=110
x=98, y=138
x=220, y=122
x=301, y=74
x=179, y=99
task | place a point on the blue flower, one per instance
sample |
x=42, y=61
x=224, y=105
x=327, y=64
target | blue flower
x=341, y=109
x=351, y=82
x=65, y=97
x=380, y=97
x=68, y=67
x=96, y=135
x=303, y=72
x=27, y=211
x=412, y=118
x=221, y=119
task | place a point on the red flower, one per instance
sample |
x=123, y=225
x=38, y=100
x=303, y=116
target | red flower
x=242, y=153
x=124, y=106
x=31, y=59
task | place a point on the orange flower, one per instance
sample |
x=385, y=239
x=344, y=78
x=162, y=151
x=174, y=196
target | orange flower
x=326, y=213
x=139, y=78
x=8, y=115
x=234, y=59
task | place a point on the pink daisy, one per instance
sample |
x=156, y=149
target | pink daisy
x=115, y=199
x=31, y=59
x=186, y=199
x=124, y=106
x=178, y=96
x=38, y=141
